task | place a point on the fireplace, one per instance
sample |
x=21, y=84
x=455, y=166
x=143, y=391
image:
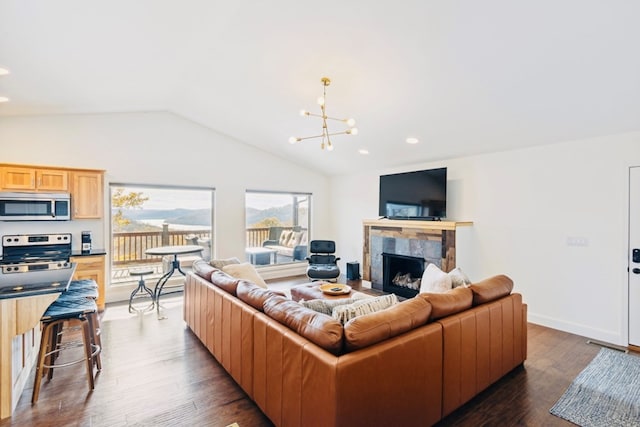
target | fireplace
x=401, y=274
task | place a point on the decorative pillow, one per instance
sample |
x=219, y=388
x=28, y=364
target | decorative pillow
x=435, y=280
x=447, y=303
x=202, y=269
x=346, y=312
x=303, y=238
x=245, y=271
x=369, y=329
x=253, y=294
x=296, y=236
x=284, y=237
x=326, y=305
x=491, y=289
x=458, y=278
x=318, y=328
x=219, y=263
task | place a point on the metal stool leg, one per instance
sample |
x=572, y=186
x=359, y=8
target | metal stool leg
x=141, y=289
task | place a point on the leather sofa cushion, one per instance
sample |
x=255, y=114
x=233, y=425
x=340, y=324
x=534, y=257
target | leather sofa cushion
x=448, y=303
x=369, y=329
x=203, y=269
x=491, y=289
x=254, y=295
x=318, y=328
x=224, y=281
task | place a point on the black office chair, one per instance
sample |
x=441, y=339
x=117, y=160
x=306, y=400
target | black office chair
x=323, y=265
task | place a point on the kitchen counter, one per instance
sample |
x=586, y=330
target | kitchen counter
x=18, y=285
x=19, y=325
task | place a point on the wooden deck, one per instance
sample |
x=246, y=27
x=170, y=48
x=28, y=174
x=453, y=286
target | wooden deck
x=156, y=373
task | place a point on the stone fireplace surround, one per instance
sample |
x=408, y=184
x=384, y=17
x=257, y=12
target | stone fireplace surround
x=433, y=241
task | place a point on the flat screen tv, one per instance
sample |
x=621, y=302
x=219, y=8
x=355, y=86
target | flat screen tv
x=414, y=195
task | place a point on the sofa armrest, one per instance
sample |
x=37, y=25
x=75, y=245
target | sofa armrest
x=299, y=252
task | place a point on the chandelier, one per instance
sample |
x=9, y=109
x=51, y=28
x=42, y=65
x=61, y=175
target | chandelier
x=325, y=135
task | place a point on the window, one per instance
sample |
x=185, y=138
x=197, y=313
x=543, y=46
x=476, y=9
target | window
x=144, y=217
x=277, y=227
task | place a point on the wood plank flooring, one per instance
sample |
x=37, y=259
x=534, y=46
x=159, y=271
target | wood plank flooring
x=156, y=373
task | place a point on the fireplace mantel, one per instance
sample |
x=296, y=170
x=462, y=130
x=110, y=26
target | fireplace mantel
x=440, y=233
x=420, y=225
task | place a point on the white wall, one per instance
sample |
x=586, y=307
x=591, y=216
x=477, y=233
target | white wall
x=525, y=204
x=163, y=149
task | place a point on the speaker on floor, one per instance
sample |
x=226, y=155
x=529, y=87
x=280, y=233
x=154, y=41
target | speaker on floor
x=353, y=271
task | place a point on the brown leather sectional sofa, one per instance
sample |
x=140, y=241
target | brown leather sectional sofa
x=411, y=364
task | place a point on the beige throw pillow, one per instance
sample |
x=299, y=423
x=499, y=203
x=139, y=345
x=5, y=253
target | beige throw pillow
x=245, y=271
x=435, y=280
x=219, y=263
x=458, y=278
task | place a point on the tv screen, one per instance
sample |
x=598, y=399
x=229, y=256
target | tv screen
x=414, y=195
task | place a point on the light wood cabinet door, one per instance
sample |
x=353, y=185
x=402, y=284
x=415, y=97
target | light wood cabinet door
x=91, y=267
x=33, y=179
x=87, y=194
x=52, y=180
x=15, y=178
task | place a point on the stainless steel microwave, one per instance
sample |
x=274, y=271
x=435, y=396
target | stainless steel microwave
x=35, y=206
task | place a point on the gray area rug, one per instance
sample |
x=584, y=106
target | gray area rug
x=605, y=393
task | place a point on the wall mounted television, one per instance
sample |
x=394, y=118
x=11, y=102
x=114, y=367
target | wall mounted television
x=418, y=195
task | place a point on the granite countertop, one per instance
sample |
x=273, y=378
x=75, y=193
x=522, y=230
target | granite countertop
x=18, y=285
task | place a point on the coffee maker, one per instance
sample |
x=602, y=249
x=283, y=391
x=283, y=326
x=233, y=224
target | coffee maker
x=86, y=242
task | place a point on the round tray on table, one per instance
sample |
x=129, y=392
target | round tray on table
x=335, y=289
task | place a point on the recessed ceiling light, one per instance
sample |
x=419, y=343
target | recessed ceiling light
x=363, y=151
x=412, y=140
x=3, y=71
x=4, y=99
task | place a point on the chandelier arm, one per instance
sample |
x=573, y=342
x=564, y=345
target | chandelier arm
x=326, y=140
x=309, y=137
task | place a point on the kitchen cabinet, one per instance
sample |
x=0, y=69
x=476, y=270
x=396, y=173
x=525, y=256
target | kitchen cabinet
x=87, y=194
x=19, y=343
x=85, y=185
x=91, y=267
x=14, y=178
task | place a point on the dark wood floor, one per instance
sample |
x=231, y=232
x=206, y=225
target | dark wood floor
x=156, y=373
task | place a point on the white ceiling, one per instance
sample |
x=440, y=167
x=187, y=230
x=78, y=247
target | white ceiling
x=464, y=77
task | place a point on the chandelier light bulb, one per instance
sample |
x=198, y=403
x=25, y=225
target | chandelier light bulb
x=293, y=140
x=3, y=71
x=329, y=146
x=320, y=100
x=304, y=113
x=351, y=122
x=4, y=99
x=353, y=131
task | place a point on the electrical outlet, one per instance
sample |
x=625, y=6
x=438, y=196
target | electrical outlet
x=577, y=241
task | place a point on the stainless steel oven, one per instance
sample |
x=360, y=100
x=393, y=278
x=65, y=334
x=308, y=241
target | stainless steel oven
x=35, y=206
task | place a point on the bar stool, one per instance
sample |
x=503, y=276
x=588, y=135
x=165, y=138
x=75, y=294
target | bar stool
x=87, y=288
x=141, y=289
x=69, y=311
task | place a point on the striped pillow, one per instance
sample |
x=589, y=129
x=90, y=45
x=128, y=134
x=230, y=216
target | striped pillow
x=346, y=312
x=326, y=306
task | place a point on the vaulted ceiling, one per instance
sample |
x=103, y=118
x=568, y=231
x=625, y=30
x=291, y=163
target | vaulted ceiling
x=464, y=77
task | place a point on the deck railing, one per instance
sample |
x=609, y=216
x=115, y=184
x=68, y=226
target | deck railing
x=130, y=247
